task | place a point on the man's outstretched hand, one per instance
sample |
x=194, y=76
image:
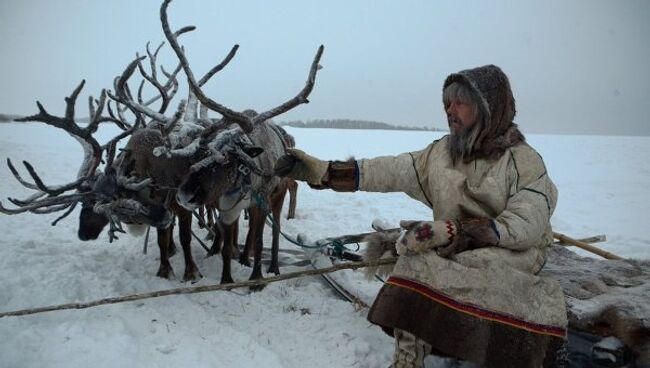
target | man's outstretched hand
x=298, y=165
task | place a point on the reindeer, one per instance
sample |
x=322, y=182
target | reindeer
x=236, y=171
x=151, y=154
x=93, y=188
x=288, y=183
x=117, y=195
x=91, y=222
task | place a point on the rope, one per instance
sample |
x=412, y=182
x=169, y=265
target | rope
x=336, y=246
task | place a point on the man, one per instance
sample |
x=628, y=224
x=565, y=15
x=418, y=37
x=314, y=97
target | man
x=465, y=285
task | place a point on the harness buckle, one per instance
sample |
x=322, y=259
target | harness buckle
x=243, y=169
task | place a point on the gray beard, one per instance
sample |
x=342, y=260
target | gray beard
x=460, y=144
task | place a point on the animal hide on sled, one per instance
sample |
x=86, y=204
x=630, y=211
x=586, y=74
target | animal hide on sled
x=605, y=297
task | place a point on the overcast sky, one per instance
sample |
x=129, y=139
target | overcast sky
x=575, y=66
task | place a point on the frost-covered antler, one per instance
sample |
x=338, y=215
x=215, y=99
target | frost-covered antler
x=122, y=209
x=48, y=199
x=139, y=108
x=245, y=122
x=204, y=126
x=166, y=90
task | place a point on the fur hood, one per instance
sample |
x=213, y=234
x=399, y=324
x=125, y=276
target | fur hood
x=494, y=96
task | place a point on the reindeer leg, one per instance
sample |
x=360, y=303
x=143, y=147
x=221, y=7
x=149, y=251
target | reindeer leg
x=245, y=253
x=217, y=241
x=165, y=270
x=226, y=252
x=171, y=245
x=211, y=217
x=277, y=200
x=256, y=228
x=235, y=243
x=192, y=272
x=292, y=186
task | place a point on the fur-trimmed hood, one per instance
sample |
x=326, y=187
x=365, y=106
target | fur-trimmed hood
x=494, y=96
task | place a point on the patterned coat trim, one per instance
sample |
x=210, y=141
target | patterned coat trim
x=476, y=311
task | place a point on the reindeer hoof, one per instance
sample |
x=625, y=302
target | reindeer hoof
x=243, y=260
x=273, y=268
x=166, y=272
x=192, y=275
x=256, y=288
x=226, y=280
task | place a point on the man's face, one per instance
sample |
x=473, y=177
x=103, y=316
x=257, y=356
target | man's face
x=460, y=116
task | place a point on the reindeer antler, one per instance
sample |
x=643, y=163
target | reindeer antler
x=235, y=116
x=92, y=149
x=245, y=122
x=55, y=200
x=92, y=157
x=301, y=97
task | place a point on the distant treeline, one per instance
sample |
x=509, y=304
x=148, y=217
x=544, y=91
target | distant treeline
x=350, y=124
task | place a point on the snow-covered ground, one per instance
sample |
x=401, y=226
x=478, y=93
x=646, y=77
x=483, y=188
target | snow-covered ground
x=603, y=184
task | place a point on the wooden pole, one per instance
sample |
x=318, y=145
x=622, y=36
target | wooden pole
x=292, y=275
x=588, y=247
x=202, y=289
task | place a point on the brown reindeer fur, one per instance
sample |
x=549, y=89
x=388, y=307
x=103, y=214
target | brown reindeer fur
x=254, y=238
x=275, y=201
x=223, y=183
x=166, y=174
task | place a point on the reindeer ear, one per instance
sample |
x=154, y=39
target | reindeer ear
x=253, y=151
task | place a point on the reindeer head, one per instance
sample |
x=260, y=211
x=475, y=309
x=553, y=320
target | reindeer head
x=49, y=199
x=224, y=171
x=98, y=192
x=92, y=223
x=114, y=199
x=115, y=194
